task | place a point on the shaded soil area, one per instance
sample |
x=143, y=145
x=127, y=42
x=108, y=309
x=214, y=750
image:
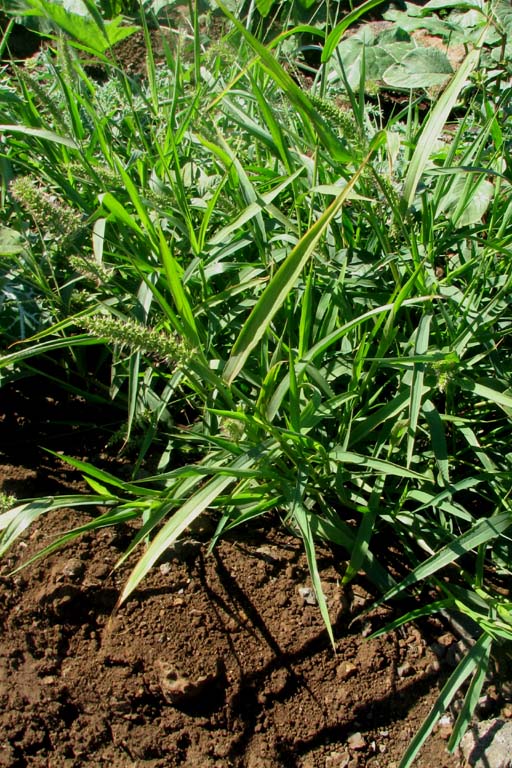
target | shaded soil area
x=218, y=660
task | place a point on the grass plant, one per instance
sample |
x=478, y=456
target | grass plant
x=323, y=290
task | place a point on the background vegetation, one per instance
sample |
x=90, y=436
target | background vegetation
x=285, y=253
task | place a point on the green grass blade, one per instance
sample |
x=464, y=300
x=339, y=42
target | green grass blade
x=418, y=375
x=285, y=278
x=435, y=124
x=297, y=96
x=40, y=133
x=480, y=533
x=301, y=515
x=173, y=273
x=294, y=399
x=80, y=340
x=120, y=213
x=342, y=534
x=417, y=613
x=339, y=30
x=16, y=520
x=472, y=696
x=488, y=393
x=369, y=464
x=438, y=437
x=179, y=522
x=102, y=476
x=472, y=661
x=364, y=532
x=111, y=518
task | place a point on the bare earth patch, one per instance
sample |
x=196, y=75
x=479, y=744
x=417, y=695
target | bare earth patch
x=219, y=660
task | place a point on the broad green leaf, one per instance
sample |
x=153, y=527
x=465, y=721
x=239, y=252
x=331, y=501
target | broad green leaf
x=421, y=68
x=437, y=4
x=377, y=57
x=445, y=28
x=83, y=28
x=75, y=6
x=11, y=242
x=264, y=6
x=466, y=200
x=502, y=13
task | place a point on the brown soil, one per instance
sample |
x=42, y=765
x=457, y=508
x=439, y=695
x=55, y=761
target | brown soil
x=218, y=660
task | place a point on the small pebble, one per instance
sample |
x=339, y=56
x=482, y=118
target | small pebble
x=346, y=670
x=356, y=741
x=73, y=568
x=308, y=595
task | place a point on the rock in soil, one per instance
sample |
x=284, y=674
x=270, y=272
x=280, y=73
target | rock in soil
x=488, y=744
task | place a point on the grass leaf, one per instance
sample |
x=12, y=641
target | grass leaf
x=471, y=662
x=277, y=290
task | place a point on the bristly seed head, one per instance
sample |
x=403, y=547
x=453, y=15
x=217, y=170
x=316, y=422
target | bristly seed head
x=48, y=211
x=163, y=347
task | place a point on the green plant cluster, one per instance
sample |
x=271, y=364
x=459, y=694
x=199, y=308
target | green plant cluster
x=323, y=289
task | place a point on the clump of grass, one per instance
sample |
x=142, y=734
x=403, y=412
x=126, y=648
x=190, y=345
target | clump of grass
x=333, y=311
